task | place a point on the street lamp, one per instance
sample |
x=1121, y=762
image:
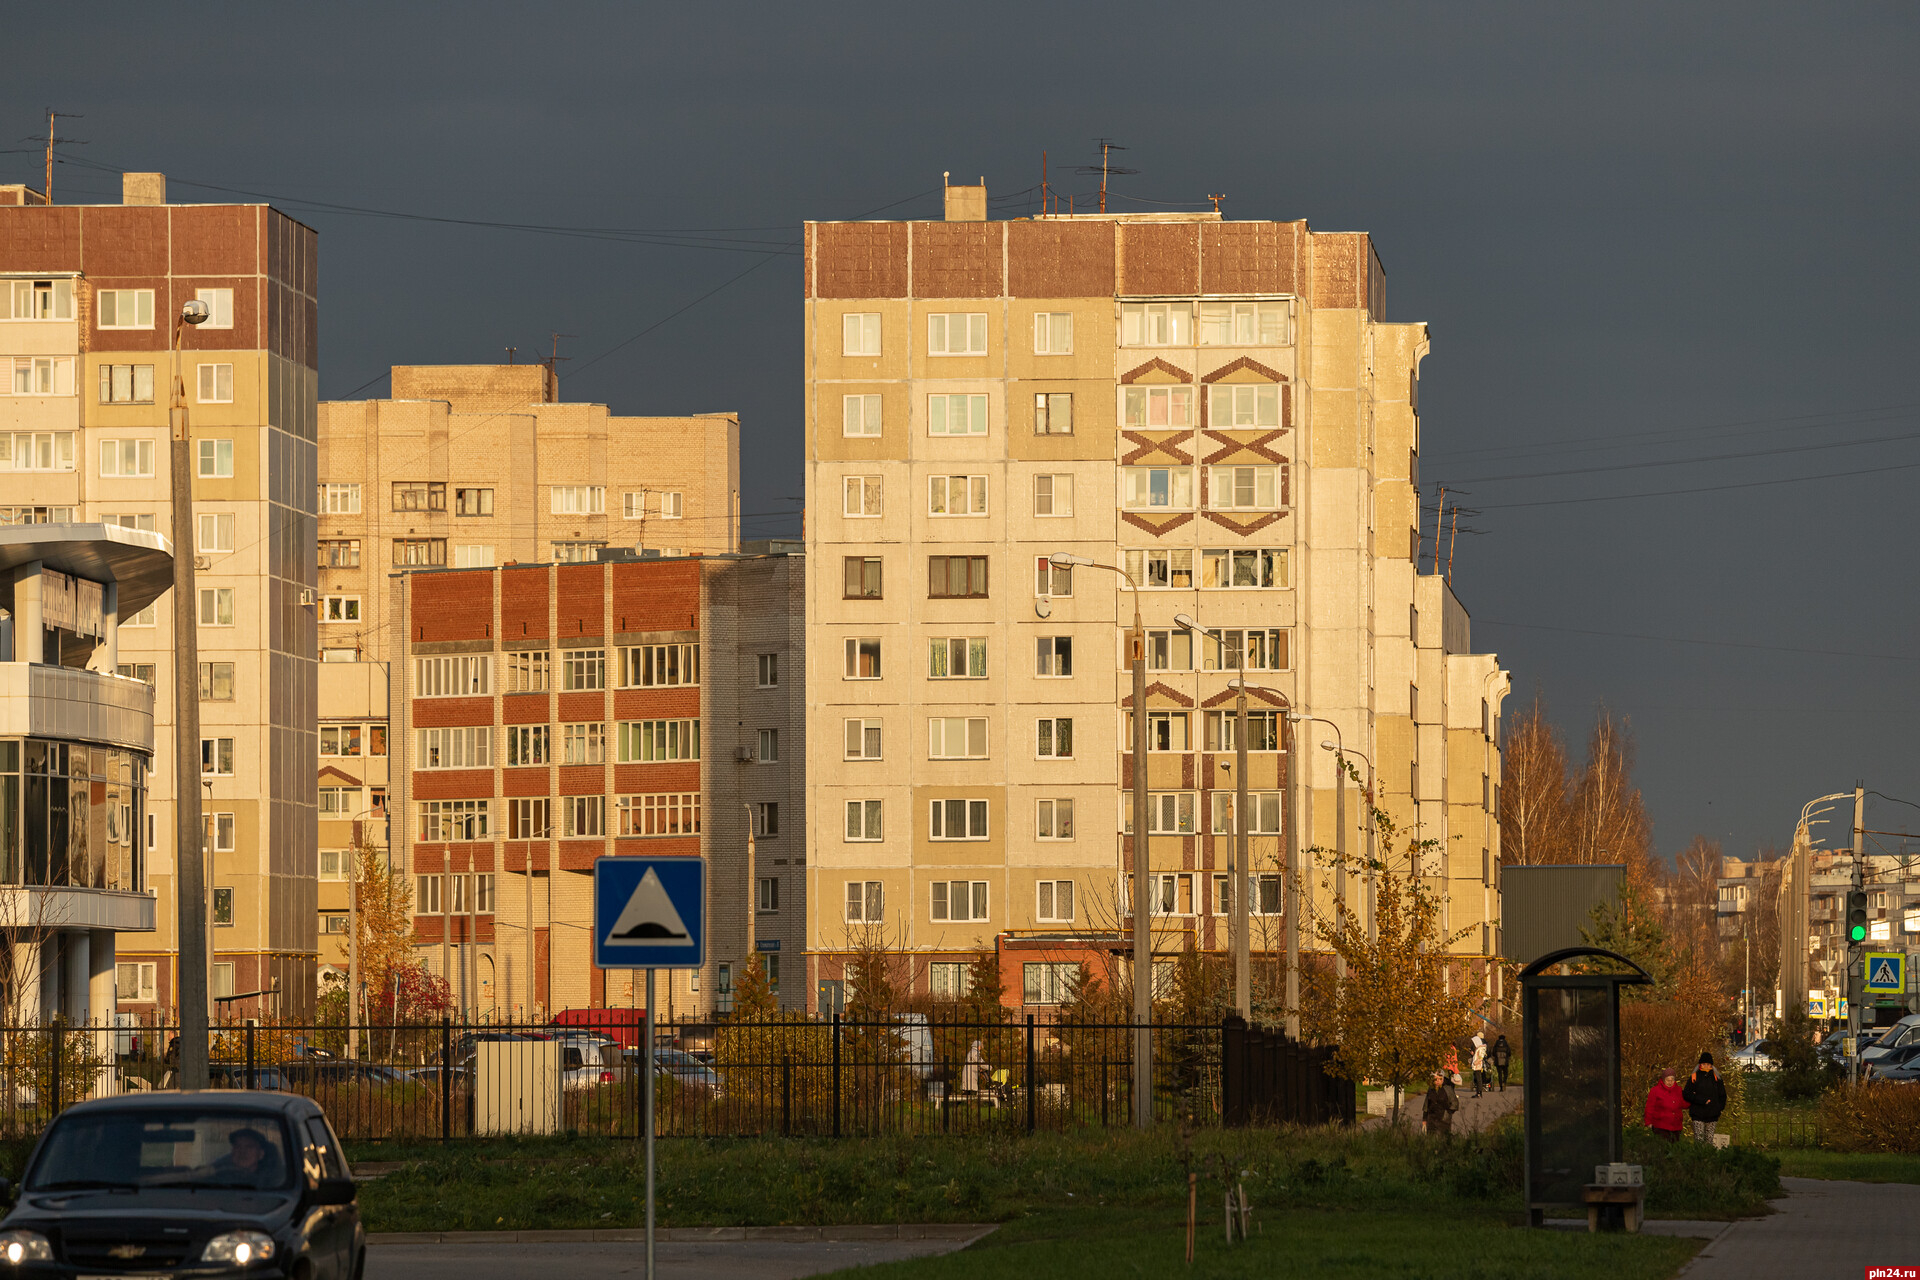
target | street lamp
x=1293, y=866
x=1366, y=798
x=1240, y=929
x=1141, y=899
x=190, y=872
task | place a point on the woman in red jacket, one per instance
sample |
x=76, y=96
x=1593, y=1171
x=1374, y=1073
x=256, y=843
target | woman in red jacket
x=1666, y=1109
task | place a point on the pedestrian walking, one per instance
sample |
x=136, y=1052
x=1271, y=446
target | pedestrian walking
x=1478, y=1064
x=1437, y=1112
x=1502, y=1057
x=1666, y=1109
x=1706, y=1096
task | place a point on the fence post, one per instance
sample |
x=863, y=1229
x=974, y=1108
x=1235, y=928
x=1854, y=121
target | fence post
x=836, y=1075
x=1033, y=1080
x=786, y=1097
x=249, y=1055
x=53, y=1031
x=446, y=1077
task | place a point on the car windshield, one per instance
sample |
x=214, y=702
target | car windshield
x=144, y=1149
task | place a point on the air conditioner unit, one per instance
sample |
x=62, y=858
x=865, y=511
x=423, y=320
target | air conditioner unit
x=202, y=563
x=743, y=754
x=306, y=595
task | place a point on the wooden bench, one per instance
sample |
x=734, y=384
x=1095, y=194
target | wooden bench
x=1632, y=1201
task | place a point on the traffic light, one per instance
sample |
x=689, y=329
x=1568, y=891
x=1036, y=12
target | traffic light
x=1857, y=916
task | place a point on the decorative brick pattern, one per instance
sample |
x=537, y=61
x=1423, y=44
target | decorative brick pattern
x=1244, y=362
x=1060, y=259
x=1159, y=695
x=1245, y=527
x=1239, y=447
x=1157, y=446
x=956, y=259
x=1254, y=694
x=1249, y=257
x=1156, y=365
x=1158, y=528
x=1159, y=258
x=860, y=259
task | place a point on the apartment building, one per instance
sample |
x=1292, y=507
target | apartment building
x=1221, y=410
x=547, y=715
x=471, y=466
x=1892, y=885
x=88, y=296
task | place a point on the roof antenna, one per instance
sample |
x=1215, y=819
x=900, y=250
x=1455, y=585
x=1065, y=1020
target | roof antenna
x=1045, y=187
x=51, y=140
x=510, y=351
x=1216, y=200
x=1106, y=169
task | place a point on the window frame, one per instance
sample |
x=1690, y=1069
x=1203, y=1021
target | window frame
x=110, y=300
x=1179, y=478
x=945, y=562
x=973, y=494
x=940, y=333
x=1046, y=818
x=856, y=651
x=1049, y=732
x=877, y=565
x=863, y=341
x=976, y=427
x=862, y=415
x=119, y=446
x=871, y=817
x=937, y=738
x=940, y=901
x=975, y=805
x=1051, y=482
x=215, y=458
x=872, y=733
x=862, y=497
x=212, y=379
x=1046, y=902
x=1048, y=329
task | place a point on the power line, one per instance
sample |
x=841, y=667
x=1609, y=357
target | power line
x=1711, y=488
x=1722, y=644
x=1683, y=462
x=1590, y=444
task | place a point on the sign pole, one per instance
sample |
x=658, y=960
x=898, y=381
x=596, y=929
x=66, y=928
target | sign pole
x=646, y=1060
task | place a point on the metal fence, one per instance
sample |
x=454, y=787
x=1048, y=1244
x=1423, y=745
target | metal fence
x=1777, y=1129
x=914, y=1073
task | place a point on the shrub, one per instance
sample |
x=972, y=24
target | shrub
x=1699, y=1179
x=1874, y=1116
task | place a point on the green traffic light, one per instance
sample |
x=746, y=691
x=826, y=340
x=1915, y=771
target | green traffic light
x=1858, y=933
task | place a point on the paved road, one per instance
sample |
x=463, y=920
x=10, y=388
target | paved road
x=1474, y=1115
x=678, y=1260
x=1821, y=1229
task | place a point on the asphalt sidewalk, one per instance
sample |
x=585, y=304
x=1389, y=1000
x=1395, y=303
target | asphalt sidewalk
x=1821, y=1229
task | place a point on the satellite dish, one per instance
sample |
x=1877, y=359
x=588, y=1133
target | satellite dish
x=1042, y=607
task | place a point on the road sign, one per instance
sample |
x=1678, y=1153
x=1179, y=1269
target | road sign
x=1886, y=972
x=649, y=913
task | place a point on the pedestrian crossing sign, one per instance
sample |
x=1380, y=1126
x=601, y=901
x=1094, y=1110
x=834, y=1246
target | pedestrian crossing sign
x=1886, y=972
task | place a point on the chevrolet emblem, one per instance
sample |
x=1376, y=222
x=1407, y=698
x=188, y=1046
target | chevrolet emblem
x=126, y=1250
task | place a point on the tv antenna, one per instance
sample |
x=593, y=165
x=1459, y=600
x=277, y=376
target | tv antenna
x=1216, y=200
x=1106, y=169
x=53, y=140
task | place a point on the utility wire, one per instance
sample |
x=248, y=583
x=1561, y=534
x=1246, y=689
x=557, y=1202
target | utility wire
x=1684, y=462
x=1711, y=488
x=1723, y=644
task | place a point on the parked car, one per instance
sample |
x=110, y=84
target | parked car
x=1757, y=1056
x=168, y=1183
x=1890, y=1061
x=1904, y=1032
x=679, y=1065
x=587, y=1060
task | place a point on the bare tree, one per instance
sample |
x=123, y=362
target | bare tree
x=1609, y=822
x=1533, y=792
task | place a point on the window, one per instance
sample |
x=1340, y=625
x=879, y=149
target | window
x=1170, y=650
x=769, y=671
x=1253, y=405
x=1263, y=809
x=1053, y=738
x=462, y=748
x=671, y=506
x=766, y=819
x=122, y=308
x=1166, y=730
x=37, y=375
x=1047, y=981
x=866, y=902
x=145, y=672
x=529, y=744
x=216, y=757
x=1156, y=324
x=473, y=555
x=769, y=903
x=530, y=819
x=657, y=666
x=583, y=669
x=126, y=458
x=134, y=981
x=221, y=827
x=1053, y=901
x=333, y=922
x=1150, y=488
x=1266, y=900
x=1261, y=649
x=862, y=578
x=957, y=737
x=339, y=802
x=862, y=495
x=957, y=333
x=452, y=677
x=216, y=384
x=956, y=577
x=473, y=502
x=339, y=499
x=419, y=495
x=863, y=658
x=1053, y=333
x=1243, y=324
x=337, y=608
x=1156, y=408
x=957, y=658
x=377, y=740
x=43, y=300
x=144, y=521
x=586, y=816
x=860, y=333
x=37, y=451
x=957, y=415
x=768, y=750
x=529, y=672
x=1263, y=730
x=578, y=499
x=577, y=552
x=1053, y=656
x=341, y=739
x=1170, y=568
x=959, y=900
x=1259, y=567
x=949, y=980
x=216, y=459
x=1168, y=813
x=1054, y=820
x=1052, y=413
x=863, y=739
x=957, y=495
x=222, y=906
x=671, y=813
x=147, y=617
x=1053, y=495
x=216, y=532
x=583, y=743
x=860, y=415
x=126, y=384
x=659, y=741
x=957, y=820
x=1052, y=580
x=340, y=553
x=219, y=308
x=863, y=820
x=216, y=606
x=220, y=978
x=1243, y=488
x=426, y=895
x=1170, y=894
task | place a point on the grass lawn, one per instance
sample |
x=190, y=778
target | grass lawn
x=1863, y=1166
x=1324, y=1244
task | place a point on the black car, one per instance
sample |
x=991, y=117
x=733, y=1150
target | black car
x=186, y=1184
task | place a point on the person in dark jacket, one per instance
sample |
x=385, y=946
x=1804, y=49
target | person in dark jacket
x=1440, y=1105
x=1706, y=1097
x=1502, y=1055
x=1666, y=1110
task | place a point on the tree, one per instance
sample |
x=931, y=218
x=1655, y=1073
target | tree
x=986, y=997
x=1533, y=791
x=753, y=998
x=1608, y=821
x=383, y=930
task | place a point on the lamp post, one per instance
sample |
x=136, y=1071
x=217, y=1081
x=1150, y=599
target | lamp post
x=1141, y=898
x=1240, y=929
x=1339, y=831
x=189, y=865
x=1293, y=875
x=753, y=894
x=1366, y=798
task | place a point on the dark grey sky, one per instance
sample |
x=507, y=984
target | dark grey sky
x=1641, y=233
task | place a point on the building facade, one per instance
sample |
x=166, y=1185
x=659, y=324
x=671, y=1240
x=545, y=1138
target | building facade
x=549, y=715
x=88, y=297
x=1221, y=410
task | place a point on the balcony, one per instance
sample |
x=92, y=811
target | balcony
x=73, y=704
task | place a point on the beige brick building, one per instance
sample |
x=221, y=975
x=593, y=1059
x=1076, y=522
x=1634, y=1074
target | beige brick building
x=1220, y=408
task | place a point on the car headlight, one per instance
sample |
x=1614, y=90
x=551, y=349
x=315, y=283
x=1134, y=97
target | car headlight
x=242, y=1248
x=24, y=1246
